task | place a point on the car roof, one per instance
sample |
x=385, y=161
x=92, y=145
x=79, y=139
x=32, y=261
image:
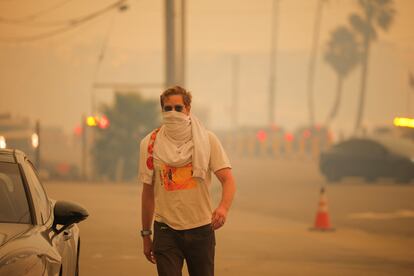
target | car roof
x=357, y=139
x=10, y=155
x=353, y=140
x=397, y=145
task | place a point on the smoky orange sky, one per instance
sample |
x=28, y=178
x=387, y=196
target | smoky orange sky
x=52, y=79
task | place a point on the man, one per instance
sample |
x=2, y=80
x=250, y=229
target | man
x=175, y=167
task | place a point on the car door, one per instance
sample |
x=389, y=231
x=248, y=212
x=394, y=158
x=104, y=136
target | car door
x=18, y=255
x=51, y=247
x=369, y=159
x=348, y=157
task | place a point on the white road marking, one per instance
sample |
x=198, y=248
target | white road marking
x=129, y=257
x=383, y=215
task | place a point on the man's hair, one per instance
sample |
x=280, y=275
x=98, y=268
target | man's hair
x=176, y=90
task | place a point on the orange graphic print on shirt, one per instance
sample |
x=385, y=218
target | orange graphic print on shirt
x=178, y=178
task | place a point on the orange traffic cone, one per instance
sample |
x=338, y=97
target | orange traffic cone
x=322, y=222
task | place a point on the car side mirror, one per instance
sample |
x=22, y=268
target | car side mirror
x=67, y=213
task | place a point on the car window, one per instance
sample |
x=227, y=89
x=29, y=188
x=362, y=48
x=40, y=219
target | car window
x=348, y=146
x=14, y=207
x=399, y=146
x=361, y=147
x=38, y=192
x=372, y=148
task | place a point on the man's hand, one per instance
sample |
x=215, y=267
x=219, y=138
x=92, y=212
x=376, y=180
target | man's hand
x=147, y=217
x=148, y=249
x=229, y=188
x=219, y=218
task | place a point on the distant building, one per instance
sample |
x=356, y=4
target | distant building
x=59, y=153
x=17, y=133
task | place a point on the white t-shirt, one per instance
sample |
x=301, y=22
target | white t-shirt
x=181, y=201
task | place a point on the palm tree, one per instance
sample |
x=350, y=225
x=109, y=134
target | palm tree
x=343, y=55
x=374, y=14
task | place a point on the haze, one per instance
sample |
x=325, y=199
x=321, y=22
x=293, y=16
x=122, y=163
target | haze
x=283, y=176
x=52, y=79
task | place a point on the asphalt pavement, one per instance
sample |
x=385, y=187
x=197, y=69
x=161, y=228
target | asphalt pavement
x=267, y=232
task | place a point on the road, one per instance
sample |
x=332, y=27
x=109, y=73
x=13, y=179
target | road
x=267, y=232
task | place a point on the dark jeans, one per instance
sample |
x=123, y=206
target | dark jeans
x=196, y=246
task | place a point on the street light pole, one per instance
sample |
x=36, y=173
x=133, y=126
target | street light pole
x=235, y=87
x=84, y=149
x=312, y=61
x=37, y=148
x=410, y=90
x=175, y=36
x=272, y=65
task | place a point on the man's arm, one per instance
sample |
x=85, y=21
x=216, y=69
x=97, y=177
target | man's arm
x=228, y=190
x=147, y=214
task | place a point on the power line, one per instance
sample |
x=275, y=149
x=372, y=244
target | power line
x=73, y=24
x=101, y=56
x=33, y=16
x=55, y=23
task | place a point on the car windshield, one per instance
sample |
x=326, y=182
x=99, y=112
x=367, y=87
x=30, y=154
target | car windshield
x=14, y=207
x=399, y=146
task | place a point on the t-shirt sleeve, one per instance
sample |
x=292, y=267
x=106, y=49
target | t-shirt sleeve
x=218, y=157
x=143, y=177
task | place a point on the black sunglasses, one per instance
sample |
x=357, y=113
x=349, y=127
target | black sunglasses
x=178, y=108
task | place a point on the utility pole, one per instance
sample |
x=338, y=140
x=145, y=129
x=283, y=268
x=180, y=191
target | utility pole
x=272, y=65
x=410, y=90
x=84, y=148
x=312, y=61
x=175, y=37
x=235, y=70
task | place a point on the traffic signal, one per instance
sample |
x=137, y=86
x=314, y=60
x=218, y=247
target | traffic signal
x=307, y=133
x=103, y=122
x=97, y=121
x=91, y=121
x=78, y=130
x=261, y=135
x=289, y=137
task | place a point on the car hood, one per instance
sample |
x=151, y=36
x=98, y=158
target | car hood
x=9, y=231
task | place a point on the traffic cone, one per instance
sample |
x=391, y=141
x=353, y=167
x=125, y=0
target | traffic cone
x=322, y=222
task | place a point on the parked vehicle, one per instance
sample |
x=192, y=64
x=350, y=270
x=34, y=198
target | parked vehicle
x=38, y=236
x=370, y=158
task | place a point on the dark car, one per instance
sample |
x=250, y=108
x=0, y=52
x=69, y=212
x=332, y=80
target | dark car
x=369, y=158
x=38, y=236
